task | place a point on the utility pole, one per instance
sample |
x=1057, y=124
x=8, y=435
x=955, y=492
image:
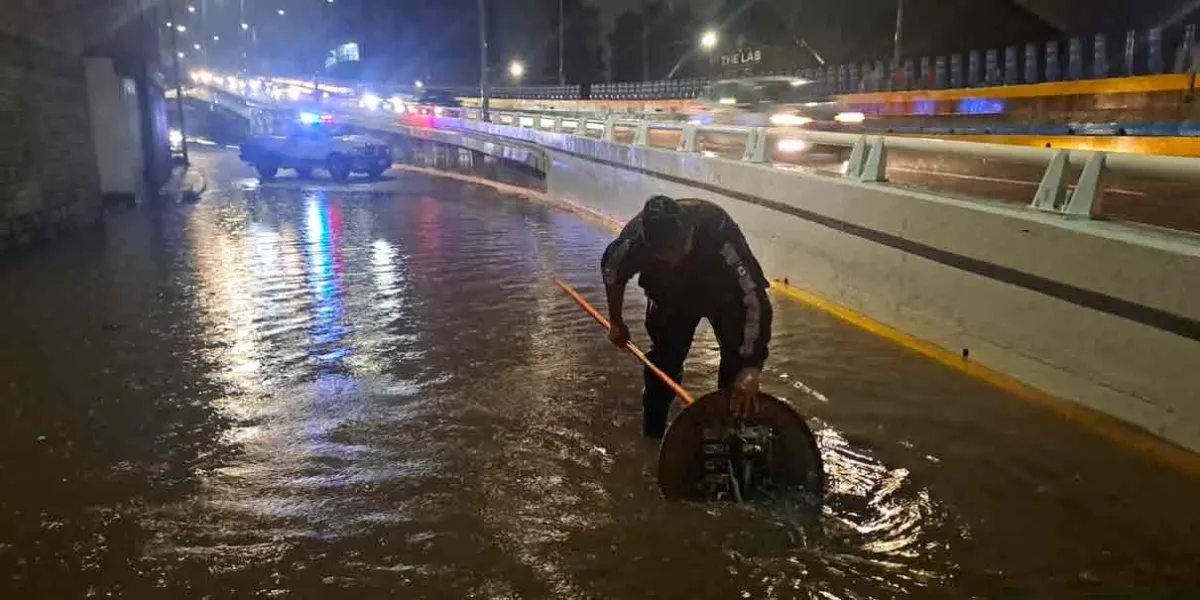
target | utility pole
x=899, y=33
x=183, y=144
x=645, y=40
x=562, y=16
x=485, y=89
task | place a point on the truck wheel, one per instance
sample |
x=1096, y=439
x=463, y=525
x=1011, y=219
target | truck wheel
x=266, y=171
x=339, y=168
x=376, y=172
x=304, y=172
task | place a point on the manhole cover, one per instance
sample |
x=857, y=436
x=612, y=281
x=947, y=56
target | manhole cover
x=708, y=455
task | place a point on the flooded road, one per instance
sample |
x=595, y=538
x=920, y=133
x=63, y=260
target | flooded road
x=305, y=390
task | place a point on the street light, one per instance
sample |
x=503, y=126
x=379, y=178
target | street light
x=516, y=69
x=282, y=12
x=216, y=38
x=181, y=28
x=420, y=84
x=245, y=26
x=191, y=8
x=196, y=46
x=708, y=41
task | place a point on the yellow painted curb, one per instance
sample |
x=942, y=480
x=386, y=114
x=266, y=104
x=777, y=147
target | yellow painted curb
x=1140, y=84
x=1123, y=434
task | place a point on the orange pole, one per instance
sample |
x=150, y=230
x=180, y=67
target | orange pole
x=591, y=310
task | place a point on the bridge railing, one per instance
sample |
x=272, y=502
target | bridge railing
x=1073, y=183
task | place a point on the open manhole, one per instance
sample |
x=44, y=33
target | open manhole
x=708, y=455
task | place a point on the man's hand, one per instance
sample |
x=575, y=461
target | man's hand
x=618, y=334
x=743, y=396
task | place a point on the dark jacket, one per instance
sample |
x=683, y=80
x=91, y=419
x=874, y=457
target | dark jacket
x=720, y=269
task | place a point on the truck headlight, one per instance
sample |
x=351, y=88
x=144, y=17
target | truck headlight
x=789, y=120
x=850, y=117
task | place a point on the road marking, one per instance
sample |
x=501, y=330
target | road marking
x=1003, y=180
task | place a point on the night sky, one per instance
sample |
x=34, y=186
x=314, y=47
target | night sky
x=436, y=39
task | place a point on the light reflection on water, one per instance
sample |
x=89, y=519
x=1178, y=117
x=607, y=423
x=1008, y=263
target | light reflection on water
x=394, y=401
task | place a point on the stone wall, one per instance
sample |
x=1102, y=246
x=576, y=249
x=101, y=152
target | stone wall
x=48, y=168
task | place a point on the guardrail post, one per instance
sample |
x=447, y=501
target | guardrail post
x=1075, y=59
x=1154, y=42
x=558, y=124
x=1052, y=191
x=939, y=72
x=1052, y=61
x=1130, y=66
x=756, y=145
x=581, y=126
x=858, y=155
x=956, y=71
x=874, y=170
x=973, y=68
x=1012, y=72
x=992, y=74
x=1088, y=189
x=925, y=71
x=1183, y=54
x=1031, y=63
x=691, y=134
x=1100, y=56
x=610, y=129
x=642, y=136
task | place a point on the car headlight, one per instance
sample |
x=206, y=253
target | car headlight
x=789, y=120
x=791, y=145
x=850, y=117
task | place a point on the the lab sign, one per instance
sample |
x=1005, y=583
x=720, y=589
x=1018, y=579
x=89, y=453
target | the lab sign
x=745, y=57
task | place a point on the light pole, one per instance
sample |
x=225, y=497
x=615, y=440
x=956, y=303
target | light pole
x=485, y=89
x=899, y=33
x=562, y=78
x=176, y=55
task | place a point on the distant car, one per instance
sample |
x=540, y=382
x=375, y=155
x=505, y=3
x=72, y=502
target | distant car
x=433, y=102
x=771, y=102
x=305, y=141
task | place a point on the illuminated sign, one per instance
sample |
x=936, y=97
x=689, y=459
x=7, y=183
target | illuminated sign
x=746, y=57
x=346, y=53
x=980, y=106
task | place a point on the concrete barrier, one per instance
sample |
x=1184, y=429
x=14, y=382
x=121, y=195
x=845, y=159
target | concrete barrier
x=1104, y=314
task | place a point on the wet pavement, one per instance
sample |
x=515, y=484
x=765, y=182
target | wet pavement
x=310, y=390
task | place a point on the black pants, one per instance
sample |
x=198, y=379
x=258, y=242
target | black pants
x=671, y=332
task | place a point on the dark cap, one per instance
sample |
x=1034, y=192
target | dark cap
x=662, y=225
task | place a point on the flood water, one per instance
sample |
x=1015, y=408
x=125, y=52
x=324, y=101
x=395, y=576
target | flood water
x=309, y=390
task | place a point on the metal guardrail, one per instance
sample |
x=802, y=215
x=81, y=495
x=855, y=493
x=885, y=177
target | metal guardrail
x=868, y=154
x=867, y=162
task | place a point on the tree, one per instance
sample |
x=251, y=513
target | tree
x=625, y=46
x=583, y=59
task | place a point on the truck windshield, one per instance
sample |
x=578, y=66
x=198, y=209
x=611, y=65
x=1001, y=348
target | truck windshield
x=773, y=91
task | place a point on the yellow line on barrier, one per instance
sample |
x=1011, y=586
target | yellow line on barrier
x=1119, y=432
x=1174, y=82
x=1115, y=430
x=1155, y=145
